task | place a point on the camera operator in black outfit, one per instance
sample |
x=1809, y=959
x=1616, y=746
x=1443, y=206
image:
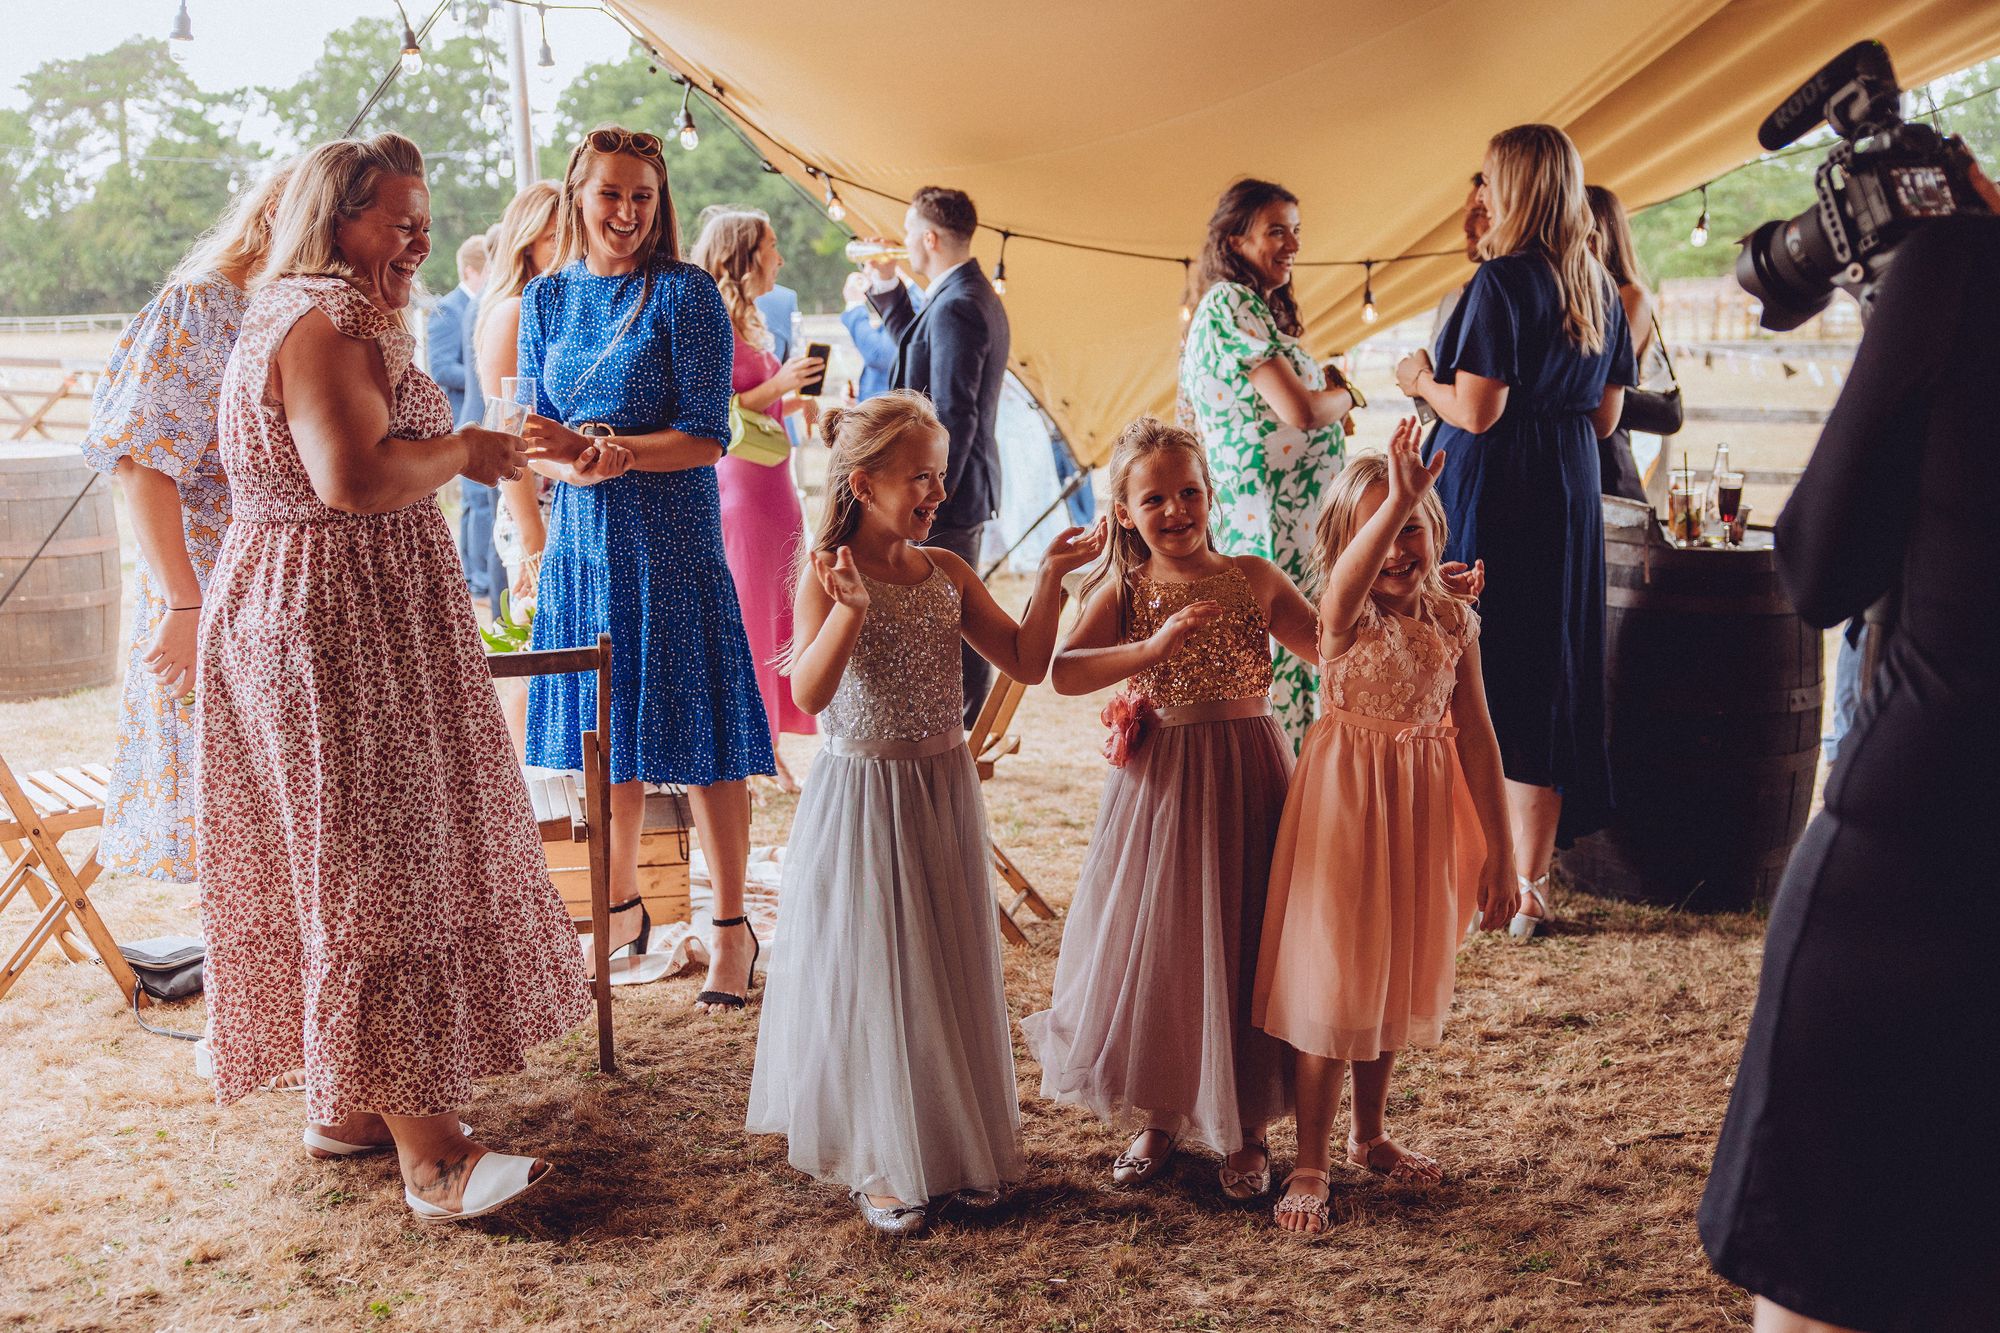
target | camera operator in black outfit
x=1857, y=1178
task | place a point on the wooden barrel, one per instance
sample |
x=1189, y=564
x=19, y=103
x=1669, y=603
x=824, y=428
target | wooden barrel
x=1714, y=687
x=59, y=631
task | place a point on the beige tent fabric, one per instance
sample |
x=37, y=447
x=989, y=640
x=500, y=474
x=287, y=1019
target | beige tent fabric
x=1117, y=124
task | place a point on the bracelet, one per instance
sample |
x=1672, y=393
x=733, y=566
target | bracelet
x=195, y=607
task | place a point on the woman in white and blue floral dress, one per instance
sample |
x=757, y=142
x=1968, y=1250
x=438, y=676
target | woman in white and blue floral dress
x=153, y=426
x=1260, y=404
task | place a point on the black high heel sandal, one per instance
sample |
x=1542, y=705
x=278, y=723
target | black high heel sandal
x=724, y=998
x=637, y=946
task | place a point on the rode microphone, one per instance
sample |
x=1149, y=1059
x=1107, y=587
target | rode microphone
x=1847, y=92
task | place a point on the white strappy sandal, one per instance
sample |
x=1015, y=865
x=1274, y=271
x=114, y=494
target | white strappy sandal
x=1523, y=926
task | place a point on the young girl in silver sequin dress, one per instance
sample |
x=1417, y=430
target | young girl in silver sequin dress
x=884, y=1053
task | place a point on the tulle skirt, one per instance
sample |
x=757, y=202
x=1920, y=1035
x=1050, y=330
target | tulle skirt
x=884, y=1053
x=1151, y=1010
x=1373, y=884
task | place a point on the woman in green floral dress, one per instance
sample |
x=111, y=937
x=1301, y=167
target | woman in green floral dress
x=1271, y=427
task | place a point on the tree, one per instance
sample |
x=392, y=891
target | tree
x=439, y=108
x=722, y=170
x=118, y=164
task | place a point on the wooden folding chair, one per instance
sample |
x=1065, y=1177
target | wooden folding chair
x=559, y=817
x=37, y=812
x=990, y=742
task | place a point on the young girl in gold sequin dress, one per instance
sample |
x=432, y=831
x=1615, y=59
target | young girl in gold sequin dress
x=883, y=1055
x=1395, y=828
x=1149, y=1026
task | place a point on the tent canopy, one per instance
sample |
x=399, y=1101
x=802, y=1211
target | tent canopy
x=1117, y=125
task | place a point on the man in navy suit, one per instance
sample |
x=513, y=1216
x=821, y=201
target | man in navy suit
x=955, y=350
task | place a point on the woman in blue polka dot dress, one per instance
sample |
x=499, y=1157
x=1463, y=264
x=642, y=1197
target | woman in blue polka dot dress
x=632, y=347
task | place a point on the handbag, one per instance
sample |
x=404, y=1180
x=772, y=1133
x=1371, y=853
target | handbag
x=1654, y=411
x=754, y=437
x=168, y=968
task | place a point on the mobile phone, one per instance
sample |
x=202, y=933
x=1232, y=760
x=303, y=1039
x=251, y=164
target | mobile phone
x=820, y=351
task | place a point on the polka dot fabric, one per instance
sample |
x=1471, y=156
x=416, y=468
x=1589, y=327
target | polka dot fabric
x=641, y=555
x=373, y=890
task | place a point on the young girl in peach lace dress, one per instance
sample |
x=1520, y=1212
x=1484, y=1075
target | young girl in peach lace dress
x=1380, y=859
x=1149, y=1026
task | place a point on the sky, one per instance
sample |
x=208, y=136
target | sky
x=267, y=42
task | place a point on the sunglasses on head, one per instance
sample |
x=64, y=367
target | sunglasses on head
x=622, y=141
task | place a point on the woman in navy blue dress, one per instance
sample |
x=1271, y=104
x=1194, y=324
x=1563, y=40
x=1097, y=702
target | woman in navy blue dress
x=1531, y=373
x=631, y=346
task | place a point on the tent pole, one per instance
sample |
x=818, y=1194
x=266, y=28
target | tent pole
x=525, y=173
x=1070, y=487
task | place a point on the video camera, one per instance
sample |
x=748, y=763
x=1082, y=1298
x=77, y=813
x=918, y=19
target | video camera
x=1883, y=178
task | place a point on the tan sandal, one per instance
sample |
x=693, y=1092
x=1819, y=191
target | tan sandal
x=1409, y=1168
x=1304, y=1203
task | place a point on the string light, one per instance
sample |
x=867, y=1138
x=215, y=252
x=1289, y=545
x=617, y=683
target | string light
x=1699, y=236
x=834, y=208
x=684, y=122
x=547, y=59
x=491, y=114
x=413, y=55
x=1187, y=284
x=183, y=34
x=1000, y=266
x=1368, y=315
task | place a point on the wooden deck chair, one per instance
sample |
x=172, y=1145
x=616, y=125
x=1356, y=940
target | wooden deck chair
x=990, y=742
x=34, y=815
x=561, y=818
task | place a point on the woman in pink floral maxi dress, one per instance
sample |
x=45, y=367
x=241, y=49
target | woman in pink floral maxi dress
x=375, y=899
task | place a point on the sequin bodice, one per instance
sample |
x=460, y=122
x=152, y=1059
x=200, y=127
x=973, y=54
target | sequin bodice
x=1229, y=658
x=1398, y=668
x=904, y=681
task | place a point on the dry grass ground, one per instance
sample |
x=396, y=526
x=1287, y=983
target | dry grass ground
x=1575, y=1101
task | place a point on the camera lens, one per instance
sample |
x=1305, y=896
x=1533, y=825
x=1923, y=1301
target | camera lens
x=1789, y=266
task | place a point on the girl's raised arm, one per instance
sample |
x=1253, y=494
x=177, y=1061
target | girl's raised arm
x=827, y=611
x=1022, y=650
x=1355, y=571
x=1092, y=658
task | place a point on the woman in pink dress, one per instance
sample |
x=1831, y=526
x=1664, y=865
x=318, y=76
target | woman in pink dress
x=374, y=896
x=762, y=524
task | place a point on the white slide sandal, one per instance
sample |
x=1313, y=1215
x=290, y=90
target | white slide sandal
x=497, y=1180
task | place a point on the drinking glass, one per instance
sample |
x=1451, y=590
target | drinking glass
x=1683, y=511
x=1728, y=501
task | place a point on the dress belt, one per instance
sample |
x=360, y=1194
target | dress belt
x=1216, y=710
x=1403, y=732
x=856, y=747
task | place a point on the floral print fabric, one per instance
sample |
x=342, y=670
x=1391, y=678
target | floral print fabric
x=156, y=405
x=1269, y=477
x=374, y=896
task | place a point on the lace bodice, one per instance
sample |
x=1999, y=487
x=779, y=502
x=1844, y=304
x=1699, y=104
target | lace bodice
x=1398, y=668
x=1229, y=658
x=904, y=681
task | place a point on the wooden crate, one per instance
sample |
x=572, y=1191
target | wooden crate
x=664, y=844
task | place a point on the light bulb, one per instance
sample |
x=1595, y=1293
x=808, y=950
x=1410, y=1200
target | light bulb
x=491, y=114
x=179, y=51
x=1000, y=280
x=413, y=61
x=183, y=30
x=690, y=137
x=1187, y=313
x=547, y=59
x=1368, y=315
x=834, y=208
x=1699, y=236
